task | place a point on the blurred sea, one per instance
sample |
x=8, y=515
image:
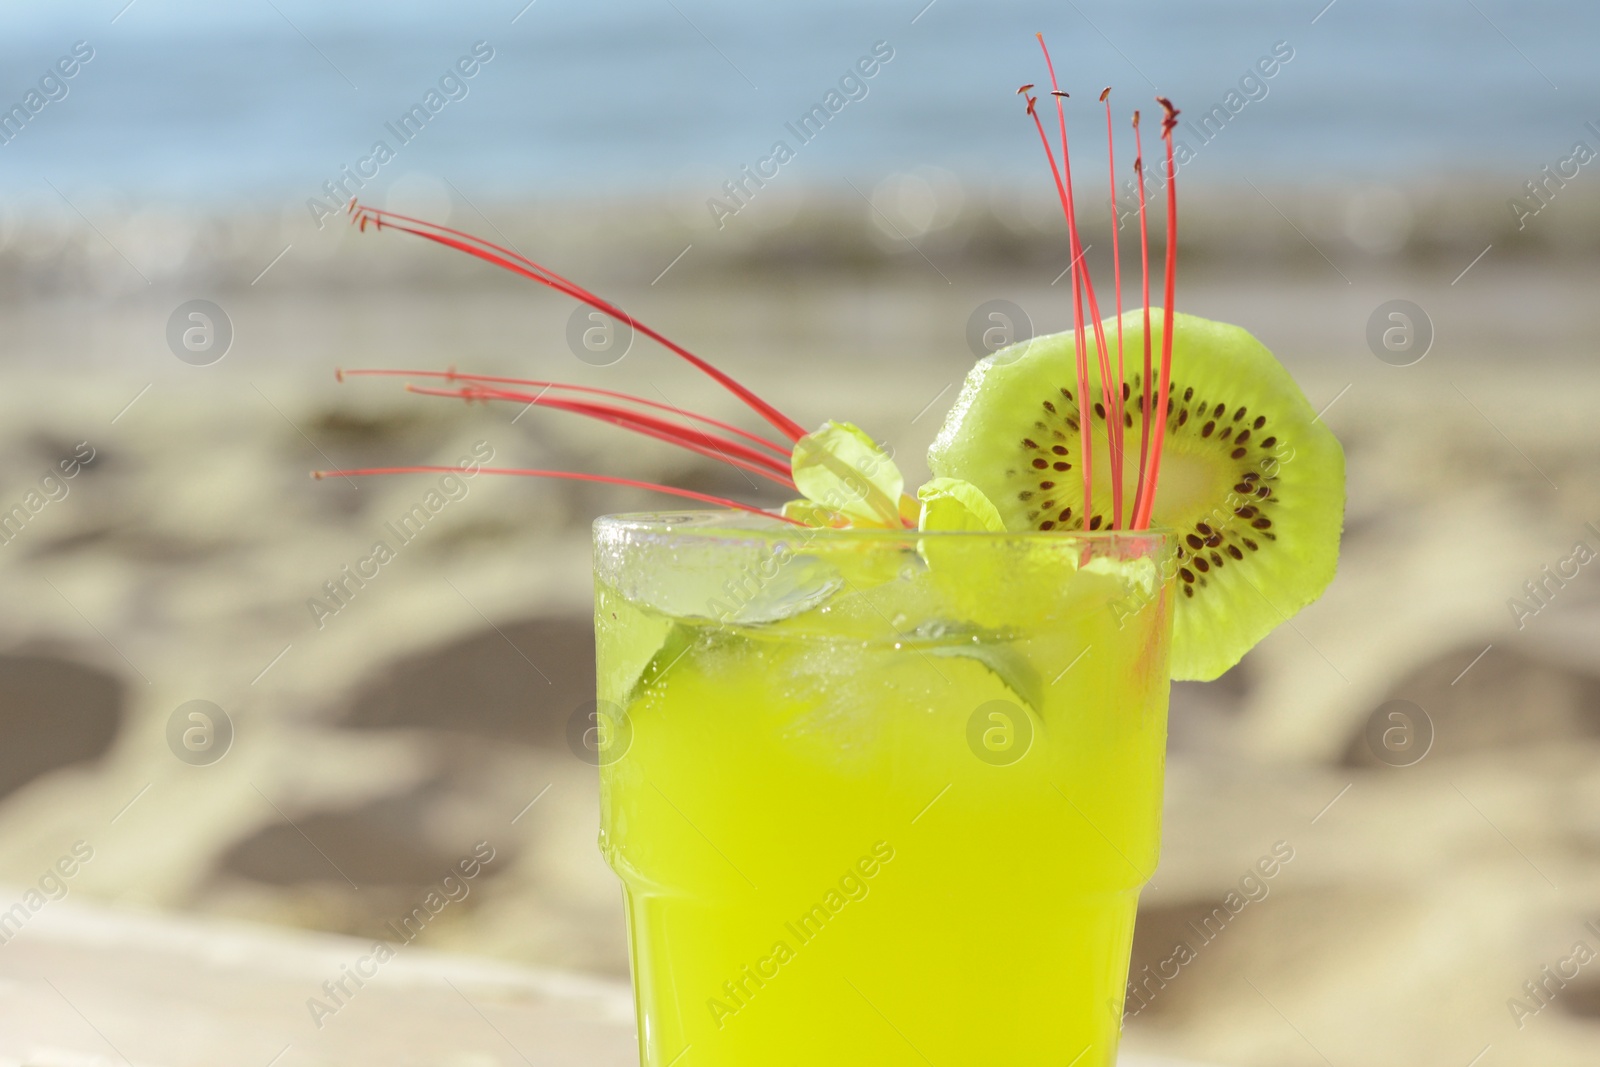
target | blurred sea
x=200, y=104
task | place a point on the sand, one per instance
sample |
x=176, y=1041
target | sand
x=375, y=744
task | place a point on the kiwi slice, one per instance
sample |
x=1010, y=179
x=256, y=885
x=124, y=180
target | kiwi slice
x=1251, y=481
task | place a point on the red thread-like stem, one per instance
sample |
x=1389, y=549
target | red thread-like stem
x=1115, y=409
x=452, y=375
x=1085, y=409
x=1085, y=442
x=1144, y=272
x=730, y=452
x=517, y=263
x=1147, y=503
x=687, y=494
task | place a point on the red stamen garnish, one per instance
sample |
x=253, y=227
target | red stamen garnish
x=671, y=490
x=452, y=375
x=1147, y=502
x=517, y=263
x=1085, y=410
x=757, y=454
x=731, y=452
x=1152, y=433
x=1114, y=409
x=1144, y=271
x=1063, y=192
x=1082, y=362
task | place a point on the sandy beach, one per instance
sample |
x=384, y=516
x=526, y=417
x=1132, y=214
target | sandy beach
x=374, y=741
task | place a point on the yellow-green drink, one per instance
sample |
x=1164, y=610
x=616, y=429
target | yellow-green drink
x=878, y=798
x=882, y=772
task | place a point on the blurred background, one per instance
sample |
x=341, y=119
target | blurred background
x=1401, y=200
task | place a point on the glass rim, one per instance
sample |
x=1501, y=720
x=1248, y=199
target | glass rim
x=732, y=525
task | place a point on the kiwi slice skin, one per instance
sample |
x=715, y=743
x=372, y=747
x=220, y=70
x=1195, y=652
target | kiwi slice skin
x=1251, y=485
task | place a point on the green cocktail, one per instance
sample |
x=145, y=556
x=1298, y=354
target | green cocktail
x=882, y=772
x=879, y=797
